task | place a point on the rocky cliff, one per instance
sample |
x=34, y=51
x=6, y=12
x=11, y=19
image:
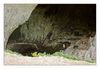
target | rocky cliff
x=51, y=28
x=15, y=15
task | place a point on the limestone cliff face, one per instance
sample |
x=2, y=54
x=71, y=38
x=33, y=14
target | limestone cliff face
x=15, y=15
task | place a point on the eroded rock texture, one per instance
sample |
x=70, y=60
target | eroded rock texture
x=59, y=27
x=15, y=15
x=85, y=50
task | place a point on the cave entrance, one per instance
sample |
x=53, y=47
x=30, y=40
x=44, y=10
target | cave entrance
x=52, y=28
x=26, y=48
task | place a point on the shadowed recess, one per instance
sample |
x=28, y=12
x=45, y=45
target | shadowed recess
x=53, y=27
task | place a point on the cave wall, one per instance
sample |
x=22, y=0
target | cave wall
x=54, y=22
x=58, y=26
x=15, y=15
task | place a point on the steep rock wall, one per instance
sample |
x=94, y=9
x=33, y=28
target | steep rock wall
x=15, y=15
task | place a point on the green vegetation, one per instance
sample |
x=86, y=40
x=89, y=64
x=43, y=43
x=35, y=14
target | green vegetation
x=35, y=54
x=91, y=61
x=68, y=56
x=60, y=54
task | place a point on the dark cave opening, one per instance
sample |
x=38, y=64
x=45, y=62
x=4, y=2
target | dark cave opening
x=53, y=27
